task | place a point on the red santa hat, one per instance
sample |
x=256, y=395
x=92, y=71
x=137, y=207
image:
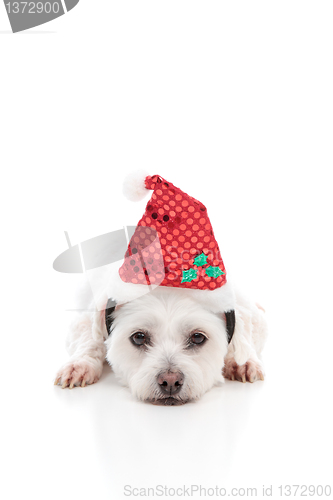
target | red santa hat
x=173, y=246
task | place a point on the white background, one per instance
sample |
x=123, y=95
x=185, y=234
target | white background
x=232, y=102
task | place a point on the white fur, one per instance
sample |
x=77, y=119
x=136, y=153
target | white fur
x=169, y=316
x=134, y=187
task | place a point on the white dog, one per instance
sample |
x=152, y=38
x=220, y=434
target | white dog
x=179, y=326
x=166, y=346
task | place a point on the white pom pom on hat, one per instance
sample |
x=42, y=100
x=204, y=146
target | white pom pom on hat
x=134, y=188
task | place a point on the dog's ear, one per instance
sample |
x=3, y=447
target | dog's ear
x=230, y=319
x=103, y=320
x=109, y=310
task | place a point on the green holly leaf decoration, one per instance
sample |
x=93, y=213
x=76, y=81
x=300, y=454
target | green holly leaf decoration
x=214, y=272
x=200, y=260
x=189, y=275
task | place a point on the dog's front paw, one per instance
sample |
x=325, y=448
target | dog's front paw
x=77, y=373
x=249, y=372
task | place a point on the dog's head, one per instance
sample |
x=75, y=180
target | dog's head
x=167, y=347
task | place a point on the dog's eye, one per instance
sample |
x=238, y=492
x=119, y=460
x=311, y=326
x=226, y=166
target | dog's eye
x=197, y=338
x=139, y=338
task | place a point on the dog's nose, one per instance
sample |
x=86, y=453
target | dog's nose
x=170, y=382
